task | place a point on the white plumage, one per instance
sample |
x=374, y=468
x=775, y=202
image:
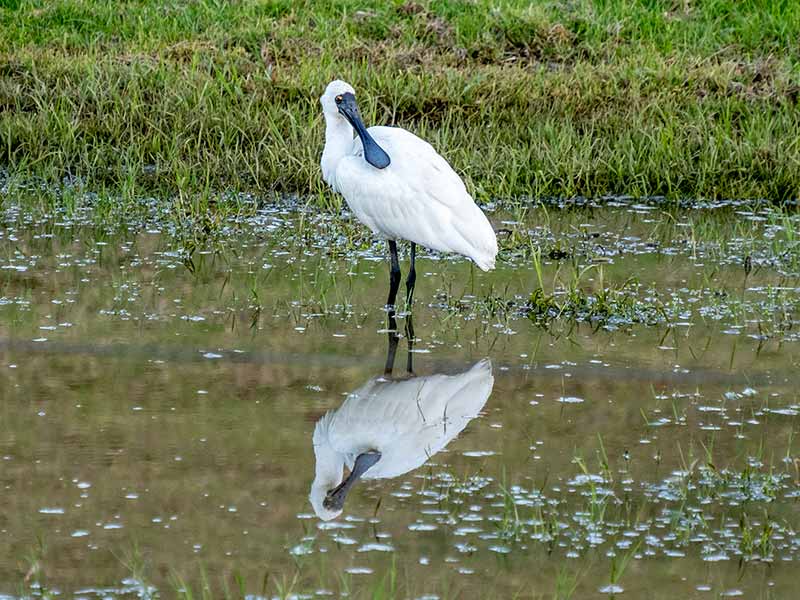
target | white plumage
x=407, y=421
x=417, y=197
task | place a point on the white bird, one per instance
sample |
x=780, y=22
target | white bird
x=389, y=427
x=400, y=187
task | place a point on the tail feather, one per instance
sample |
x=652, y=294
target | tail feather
x=485, y=262
x=483, y=246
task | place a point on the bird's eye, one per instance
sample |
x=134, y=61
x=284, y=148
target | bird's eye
x=338, y=99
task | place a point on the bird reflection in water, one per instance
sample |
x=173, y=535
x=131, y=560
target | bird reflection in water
x=392, y=425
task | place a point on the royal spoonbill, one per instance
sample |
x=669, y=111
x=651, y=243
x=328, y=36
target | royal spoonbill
x=401, y=188
x=389, y=427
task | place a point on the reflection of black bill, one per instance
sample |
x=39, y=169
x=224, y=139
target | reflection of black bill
x=334, y=500
x=373, y=153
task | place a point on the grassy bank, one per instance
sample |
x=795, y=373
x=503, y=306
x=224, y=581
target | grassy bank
x=557, y=99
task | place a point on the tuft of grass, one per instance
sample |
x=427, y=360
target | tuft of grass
x=566, y=584
x=608, y=305
x=135, y=563
x=35, y=575
x=192, y=99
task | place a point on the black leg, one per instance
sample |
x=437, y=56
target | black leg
x=410, y=338
x=393, y=339
x=412, y=276
x=394, y=274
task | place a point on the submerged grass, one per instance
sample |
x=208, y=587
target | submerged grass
x=548, y=99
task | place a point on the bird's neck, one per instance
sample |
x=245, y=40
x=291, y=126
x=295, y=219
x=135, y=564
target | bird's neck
x=338, y=143
x=329, y=463
x=328, y=468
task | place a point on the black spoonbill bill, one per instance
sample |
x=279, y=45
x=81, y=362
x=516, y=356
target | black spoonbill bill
x=400, y=187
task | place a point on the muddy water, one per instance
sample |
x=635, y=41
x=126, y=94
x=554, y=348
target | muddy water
x=158, y=407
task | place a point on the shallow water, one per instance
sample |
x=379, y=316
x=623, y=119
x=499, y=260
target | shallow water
x=158, y=407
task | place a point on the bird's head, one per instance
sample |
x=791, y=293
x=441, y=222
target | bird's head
x=338, y=95
x=320, y=503
x=326, y=498
x=339, y=104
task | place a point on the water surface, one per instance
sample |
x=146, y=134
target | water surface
x=159, y=399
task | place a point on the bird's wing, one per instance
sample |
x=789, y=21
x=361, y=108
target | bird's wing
x=362, y=422
x=418, y=197
x=432, y=174
x=409, y=420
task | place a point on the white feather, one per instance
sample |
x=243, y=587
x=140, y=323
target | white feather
x=407, y=421
x=418, y=197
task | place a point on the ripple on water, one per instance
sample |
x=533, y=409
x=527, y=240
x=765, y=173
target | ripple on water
x=358, y=570
x=611, y=589
x=375, y=547
x=302, y=549
x=570, y=400
x=422, y=527
x=344, y=540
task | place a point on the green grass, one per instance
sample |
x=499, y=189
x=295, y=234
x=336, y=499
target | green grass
x=195, y=98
